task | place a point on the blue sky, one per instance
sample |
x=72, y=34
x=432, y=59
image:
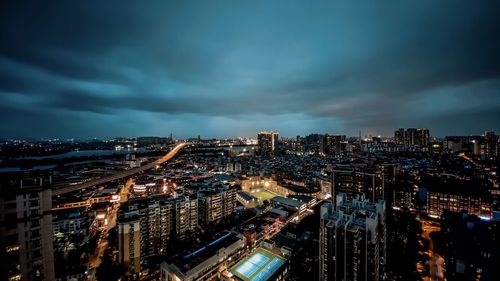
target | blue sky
x=232, y=68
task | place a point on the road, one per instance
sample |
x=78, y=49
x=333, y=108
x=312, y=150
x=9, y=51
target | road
x=122, y=174
x=436, y=261
x=102, y=244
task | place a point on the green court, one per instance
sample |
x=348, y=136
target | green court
x=264, y=195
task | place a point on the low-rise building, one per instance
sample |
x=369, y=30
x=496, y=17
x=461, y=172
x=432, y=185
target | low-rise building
x=205, y=262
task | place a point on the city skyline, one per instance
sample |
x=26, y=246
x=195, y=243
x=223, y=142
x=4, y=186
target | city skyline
x=224, y=69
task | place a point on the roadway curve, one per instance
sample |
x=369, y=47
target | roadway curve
x=121, y=175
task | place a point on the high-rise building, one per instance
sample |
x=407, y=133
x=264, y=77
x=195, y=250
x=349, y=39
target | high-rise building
x=311, y=143
x=215, y=203
x=155, y=221
x=352, y=239
x=399, y=136
x=412, y=137
x=351, y=182
x=491, y=142
x=129, y=241
x=331, y=144
x=26, y=236
x=268, y=142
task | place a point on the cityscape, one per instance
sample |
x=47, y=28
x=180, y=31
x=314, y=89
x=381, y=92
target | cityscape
x=246, y=141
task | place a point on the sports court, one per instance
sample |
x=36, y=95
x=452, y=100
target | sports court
x=259, y=266
x=264, y=194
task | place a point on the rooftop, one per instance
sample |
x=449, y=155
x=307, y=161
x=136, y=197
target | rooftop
x=287, y=201
x=196, y=256
x=259, y=266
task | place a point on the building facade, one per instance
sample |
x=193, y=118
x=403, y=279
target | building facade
x=216, y=203
x=26, y=234
x=351, y=182
x=352, y=239
x=129, y=241
x=268, y=142
x=412, y=137
x=155, y=222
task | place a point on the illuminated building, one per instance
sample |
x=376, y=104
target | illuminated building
x=268, y=142
x=491, y=142
x=351, y=182
x=215, y=203
x=456, y=196
x=129, y=241
x=412, y=137
x=26, y=234
x=159, y=220
x=352, y=239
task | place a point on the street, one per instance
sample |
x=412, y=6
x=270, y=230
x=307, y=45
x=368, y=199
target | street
x=102, y=244
x=436, y=261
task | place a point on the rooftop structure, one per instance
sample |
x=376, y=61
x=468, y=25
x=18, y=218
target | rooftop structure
x=202, y=263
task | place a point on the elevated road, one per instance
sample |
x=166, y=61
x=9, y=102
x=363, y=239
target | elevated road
x=121, y=175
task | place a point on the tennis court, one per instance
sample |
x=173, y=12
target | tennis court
x=260, y=266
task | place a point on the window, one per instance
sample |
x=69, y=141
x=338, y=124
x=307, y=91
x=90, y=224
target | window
x=11, y=239
x=12, y=248
x=11, y=221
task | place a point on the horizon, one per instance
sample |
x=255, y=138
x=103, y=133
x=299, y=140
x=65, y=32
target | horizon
x=175, y=137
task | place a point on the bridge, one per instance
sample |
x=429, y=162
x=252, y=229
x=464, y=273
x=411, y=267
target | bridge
x=121, y=175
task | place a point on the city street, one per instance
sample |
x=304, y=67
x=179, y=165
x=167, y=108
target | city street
x=102, y=244
x=436, y=261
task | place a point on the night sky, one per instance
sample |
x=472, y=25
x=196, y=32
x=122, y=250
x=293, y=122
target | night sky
x=231, y=68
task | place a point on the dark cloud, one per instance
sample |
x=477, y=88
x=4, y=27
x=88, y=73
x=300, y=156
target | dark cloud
x=225, y=68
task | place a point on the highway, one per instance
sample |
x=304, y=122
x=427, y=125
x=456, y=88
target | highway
x=121, y=175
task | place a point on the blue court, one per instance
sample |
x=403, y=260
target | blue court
x=259, y=266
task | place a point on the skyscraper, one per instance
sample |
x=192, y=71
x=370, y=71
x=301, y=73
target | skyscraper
x=268, y=142
x=352, y=239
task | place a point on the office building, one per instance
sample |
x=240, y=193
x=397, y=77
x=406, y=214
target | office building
x=352, y=239
x=268, y=142
x=26, y=234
